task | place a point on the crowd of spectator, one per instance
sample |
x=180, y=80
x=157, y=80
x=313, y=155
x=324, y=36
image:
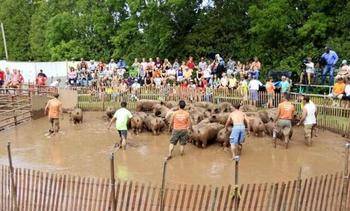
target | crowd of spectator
x=11, y=79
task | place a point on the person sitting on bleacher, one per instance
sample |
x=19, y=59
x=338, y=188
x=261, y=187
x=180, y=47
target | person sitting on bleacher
x=338, y=89
x=41, y=78
x=346, y=95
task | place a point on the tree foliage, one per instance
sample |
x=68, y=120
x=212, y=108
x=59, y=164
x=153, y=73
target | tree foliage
x=280, y=32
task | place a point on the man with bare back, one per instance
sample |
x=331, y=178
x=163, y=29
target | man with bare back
x=239, y=120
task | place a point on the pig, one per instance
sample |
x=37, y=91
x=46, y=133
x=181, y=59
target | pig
x=248, y=108
x=207, y=105
x=110, y=112
x=272, y=113
x=196, y=117
x=223, y=136
x=284, y=134
x=160, y=110
x=264, y=116
x=171, y=104
x=269, y=127
x=77, y=116
x=136, y=123
x=154, y=124
x=219, y=118
x=146, y=105
x=256, y=125
x=225, y=107
x=205, y=134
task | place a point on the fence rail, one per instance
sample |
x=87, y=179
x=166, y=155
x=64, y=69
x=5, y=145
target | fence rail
x=38, y=190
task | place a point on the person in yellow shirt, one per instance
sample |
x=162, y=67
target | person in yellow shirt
x=338, y=89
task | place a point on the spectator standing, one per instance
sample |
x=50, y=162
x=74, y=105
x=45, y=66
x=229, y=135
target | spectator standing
x=190, y=63
x=330, y=58
x=41, y=78
x=224, y=81
x=230, y=67
x=176, y=64
x=285, y=85
x=256, y=67
x=270, y=89
x=56, y=83
x=202, y=65
x=72, y=76
x=254, y=86
x=309, y=70
x=309, y=117
x=92, y=66
x=112, y=65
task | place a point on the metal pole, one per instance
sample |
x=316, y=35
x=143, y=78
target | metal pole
x=13, y=185
x=4, y=39
x=298, y=191
x=114, y=204
x=236, y=191
x=344, y=194
x=163, y=185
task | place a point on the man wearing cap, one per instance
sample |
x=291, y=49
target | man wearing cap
x=330, y=58
x=180, y=122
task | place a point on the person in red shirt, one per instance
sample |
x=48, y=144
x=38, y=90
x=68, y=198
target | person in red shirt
x=180, y=123
x=190, y=63
x=2, y=78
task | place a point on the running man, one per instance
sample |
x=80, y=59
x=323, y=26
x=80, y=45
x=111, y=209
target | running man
x=180, y=123
x=308, y=117
x=238, y=119
x=54, y=110
x=121, y=118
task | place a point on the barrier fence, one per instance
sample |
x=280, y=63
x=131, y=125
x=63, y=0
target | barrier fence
x=335, y=119
x=36, y=190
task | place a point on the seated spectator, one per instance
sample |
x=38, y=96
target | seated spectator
x=41, y=78
x=176, y=65
x=309, y=71
x=207, y=74
x=338, y=89
x=72, y=76
x=151, y=64
x=346, y=95
x=232, y=82
x=256, y=66
x=2, y=78
x=56, y=83
x=202, y=65
x=158, y=64
x=190, y=63
x=230, y=67
x=254, y=86
x=344, y=71
x=15, y=79
x=112, y=65
x=157, y=81
x=224, y=81
x=166, y=65
x=92, y=66
x=148, y=81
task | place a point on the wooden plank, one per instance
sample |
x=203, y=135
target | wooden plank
x=196, y=197
x=257, y=198
x=323, y=191
x=251, y=197
x=285, y=198
x=128, y=195
x=122, y=199
x=148, y=192
x=202, y=197
x=45, y=191
x=304, y=187
x=189, y=198
x=75, y=195
x=134, y=196
x=274, y=196
x=208, y=198
x=140, y=201
x=53, y=192
x=177, y=197
x=263, y=197
x=280, y=197
x=313, y=193
x=154, y=193
x=318, y=193
x=328, y=191
x=227, y=200
x=309, y=188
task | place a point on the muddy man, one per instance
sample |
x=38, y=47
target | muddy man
x=54, y=110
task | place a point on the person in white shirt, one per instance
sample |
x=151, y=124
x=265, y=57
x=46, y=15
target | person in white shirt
x=309, y=118
x=224, y=81
x=254, y=85
x=56, y=83
x=309, y=71
x=112, y=65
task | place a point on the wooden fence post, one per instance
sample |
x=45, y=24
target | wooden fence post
x=236, y=189
x=163, y=186
x=13, y=185
x=114, y=202
x=344, y=194
x=297, y=196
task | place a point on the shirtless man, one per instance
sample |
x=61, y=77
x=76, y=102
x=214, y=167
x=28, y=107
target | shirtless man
x=238, y=119
x=54, y=110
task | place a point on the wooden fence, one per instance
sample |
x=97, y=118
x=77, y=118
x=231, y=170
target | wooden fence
x=14, y=110
x=38, y=190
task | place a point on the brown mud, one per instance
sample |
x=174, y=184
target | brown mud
x=84, y=150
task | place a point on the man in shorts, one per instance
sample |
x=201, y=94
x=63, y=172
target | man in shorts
x=54, y=110
x=285, y=114
x=309, y=117
x=238, y=119
x=254, y=86
x=121, y=118
x=180, y=123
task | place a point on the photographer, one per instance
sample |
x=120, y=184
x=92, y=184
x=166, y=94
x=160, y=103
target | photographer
x=309, y=70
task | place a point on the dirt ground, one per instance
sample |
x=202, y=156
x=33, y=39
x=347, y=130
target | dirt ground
x=85, y=150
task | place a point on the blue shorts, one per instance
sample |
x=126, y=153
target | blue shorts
x=237, y=135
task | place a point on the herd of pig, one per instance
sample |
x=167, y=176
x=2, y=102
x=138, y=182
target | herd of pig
x=208, y=120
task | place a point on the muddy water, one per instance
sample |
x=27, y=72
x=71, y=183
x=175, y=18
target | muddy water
x=85, y=150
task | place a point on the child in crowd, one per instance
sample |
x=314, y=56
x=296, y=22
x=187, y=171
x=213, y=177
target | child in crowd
x=270, y=89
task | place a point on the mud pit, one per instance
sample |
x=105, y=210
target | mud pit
x=85, y=149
